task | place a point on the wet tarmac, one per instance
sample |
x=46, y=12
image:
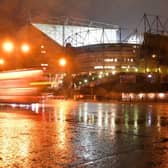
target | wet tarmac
x=68, y=134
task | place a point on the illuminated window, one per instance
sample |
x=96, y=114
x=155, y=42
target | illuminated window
x=100, y=76
x=113, y=72
x=161, y=95
x=123, y=67
x=109, y=60
x=109, y=67
x=85, y=80
x=98, y=67
x=43, y=52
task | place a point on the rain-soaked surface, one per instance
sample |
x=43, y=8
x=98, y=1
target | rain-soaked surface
x=68, y=134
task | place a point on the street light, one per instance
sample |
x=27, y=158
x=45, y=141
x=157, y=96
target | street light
x=68, y=80
x=8, y=46
x=25, y=48
x=62, y=62
x=17, y=50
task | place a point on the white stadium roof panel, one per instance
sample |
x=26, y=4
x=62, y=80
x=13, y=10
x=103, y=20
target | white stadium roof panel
x=81, y=32
x=78, y=35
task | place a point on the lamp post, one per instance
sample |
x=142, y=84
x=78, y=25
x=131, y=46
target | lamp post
x=156, y=58
x=68, y=83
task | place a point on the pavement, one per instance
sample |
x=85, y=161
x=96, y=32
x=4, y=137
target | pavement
x=67, y=134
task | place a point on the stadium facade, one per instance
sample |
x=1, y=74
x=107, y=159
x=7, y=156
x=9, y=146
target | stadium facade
x=108, y=58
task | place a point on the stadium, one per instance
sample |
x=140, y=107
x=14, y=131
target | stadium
x=98, y=55
x=101, y=47
x=95, y=46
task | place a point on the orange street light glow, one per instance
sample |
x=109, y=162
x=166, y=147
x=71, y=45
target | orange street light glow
x=62, y=62
x=25, y=48
x=1, y=61
x=8, y=46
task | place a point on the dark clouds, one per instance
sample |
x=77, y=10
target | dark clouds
x=123, y=12
x=126, y=13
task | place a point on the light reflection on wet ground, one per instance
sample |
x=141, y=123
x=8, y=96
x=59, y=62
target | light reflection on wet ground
x=67, y=134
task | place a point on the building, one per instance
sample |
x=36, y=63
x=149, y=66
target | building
x=42, y=50
x=96, y=46
x=111, y=58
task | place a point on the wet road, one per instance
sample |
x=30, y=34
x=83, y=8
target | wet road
x=67, y=134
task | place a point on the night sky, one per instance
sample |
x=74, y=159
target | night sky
x=126, y=13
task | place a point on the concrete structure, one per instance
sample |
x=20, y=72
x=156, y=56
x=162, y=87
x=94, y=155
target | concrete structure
x=111, y=58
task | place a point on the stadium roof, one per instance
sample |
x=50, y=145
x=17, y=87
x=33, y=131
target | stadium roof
x=82, y=32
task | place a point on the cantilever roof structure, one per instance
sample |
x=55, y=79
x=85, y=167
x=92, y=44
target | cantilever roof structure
x=82, y=32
